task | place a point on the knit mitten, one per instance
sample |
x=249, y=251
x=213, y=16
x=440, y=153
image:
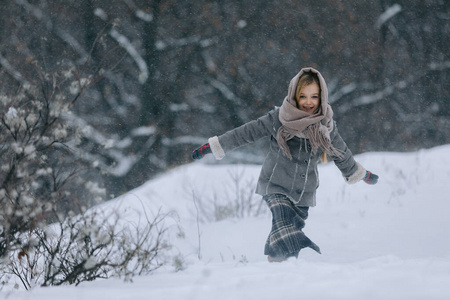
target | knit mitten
x=370, y=178
x=201, y=151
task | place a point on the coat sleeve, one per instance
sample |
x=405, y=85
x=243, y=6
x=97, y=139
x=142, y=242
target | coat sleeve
x=242, y=135
x=351, y=170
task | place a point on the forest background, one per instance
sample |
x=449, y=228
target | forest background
x=165, y=75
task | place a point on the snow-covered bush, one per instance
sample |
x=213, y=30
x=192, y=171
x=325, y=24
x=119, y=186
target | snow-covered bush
x=44, y=180
x=89, y=246
x=40, y=173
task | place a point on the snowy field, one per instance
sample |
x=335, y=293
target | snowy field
x=388, y=241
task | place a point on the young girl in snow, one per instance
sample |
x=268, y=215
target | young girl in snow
x=301, y=131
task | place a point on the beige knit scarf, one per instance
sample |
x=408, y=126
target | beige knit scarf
x=315, y=127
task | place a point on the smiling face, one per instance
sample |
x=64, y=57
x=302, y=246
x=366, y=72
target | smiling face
x=308, y=98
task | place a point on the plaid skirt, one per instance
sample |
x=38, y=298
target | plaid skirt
x=286, y=237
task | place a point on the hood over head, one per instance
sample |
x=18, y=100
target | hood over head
x=315, y=127
x=323, y=89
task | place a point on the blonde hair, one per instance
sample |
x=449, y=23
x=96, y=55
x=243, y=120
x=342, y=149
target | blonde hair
x=307, y=78
x=323, y=158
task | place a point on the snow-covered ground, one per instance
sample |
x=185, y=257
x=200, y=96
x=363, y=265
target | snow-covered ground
x=388, y=241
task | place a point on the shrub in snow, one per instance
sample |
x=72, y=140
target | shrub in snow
x=89, y=246
x=43, y=180
x=235, y=199
x=40, y=174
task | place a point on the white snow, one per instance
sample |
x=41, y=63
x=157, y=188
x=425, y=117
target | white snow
x=129, y=47
x=388, y=241
x=11, y=114
x=388, y=14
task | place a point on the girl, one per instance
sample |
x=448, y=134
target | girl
x=301, y=131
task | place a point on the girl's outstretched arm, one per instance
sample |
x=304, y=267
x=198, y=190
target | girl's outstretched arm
x=352, y=171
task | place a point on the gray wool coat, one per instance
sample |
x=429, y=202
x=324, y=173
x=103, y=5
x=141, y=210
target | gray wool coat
x=297, y=178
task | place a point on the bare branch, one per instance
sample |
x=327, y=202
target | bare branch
x=11, y=71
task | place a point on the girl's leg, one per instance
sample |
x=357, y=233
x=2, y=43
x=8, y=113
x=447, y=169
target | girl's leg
x=286, y=237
